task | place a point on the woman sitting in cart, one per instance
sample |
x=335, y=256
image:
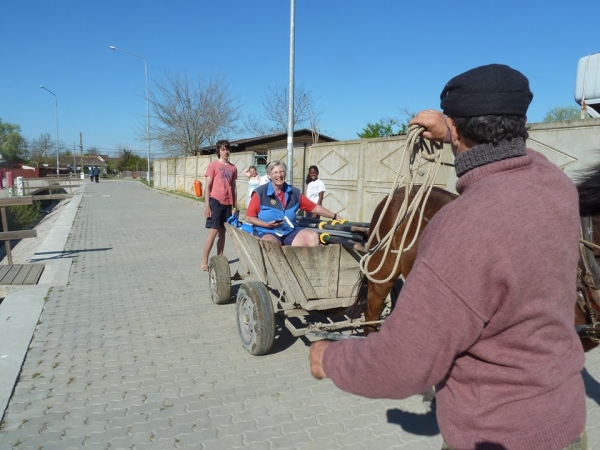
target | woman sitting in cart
x=273, y=207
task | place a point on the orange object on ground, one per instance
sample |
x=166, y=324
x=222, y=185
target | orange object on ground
x=198, y=188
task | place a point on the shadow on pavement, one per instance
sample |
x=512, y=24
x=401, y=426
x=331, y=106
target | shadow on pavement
x=283, y=337
x=419, y=424
x=39, y=256
x=592, y=386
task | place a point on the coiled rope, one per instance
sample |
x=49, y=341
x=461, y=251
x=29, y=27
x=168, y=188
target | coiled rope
x=422, y=153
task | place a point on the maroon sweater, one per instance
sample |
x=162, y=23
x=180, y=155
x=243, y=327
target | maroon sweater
x=487, y=315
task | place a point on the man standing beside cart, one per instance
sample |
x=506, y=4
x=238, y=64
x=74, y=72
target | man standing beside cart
x=220, y=198
x=487, y=312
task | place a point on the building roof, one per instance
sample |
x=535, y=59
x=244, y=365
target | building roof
x=261, y=144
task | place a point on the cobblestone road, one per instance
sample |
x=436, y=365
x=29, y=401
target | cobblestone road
x=132, y=353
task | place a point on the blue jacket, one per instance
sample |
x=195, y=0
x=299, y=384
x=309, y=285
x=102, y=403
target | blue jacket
x=272, y=209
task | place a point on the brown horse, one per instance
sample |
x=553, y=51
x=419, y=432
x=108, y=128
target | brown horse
x=371, y=294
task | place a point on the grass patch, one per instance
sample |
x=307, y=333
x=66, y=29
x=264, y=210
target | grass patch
x=21, y=217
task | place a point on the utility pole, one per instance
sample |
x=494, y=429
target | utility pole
x=81, y=150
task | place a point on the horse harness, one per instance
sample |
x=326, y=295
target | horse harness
x=588, y=278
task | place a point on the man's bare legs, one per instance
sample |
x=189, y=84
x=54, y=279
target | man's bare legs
x=210, y=240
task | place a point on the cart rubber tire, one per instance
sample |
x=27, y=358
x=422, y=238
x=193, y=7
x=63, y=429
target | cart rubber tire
x=219, y=276
x=255, y=318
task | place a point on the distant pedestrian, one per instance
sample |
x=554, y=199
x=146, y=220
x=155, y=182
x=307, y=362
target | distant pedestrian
x=1, y=178
x=91, y=171
x=96, y=173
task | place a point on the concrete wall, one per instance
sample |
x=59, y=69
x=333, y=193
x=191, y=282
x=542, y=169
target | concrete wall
x=358, y=174
x=572, y=145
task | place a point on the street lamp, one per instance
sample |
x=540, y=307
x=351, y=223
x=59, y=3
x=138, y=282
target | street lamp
x=56, y=108
x=112, y=47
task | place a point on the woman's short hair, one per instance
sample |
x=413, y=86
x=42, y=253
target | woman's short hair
x=274, y=164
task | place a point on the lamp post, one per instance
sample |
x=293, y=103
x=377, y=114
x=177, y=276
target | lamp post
x=56, y=109
x=112, y=47
x=290, y=125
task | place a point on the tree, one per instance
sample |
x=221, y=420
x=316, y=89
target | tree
x=562, y=113
x=129, y=161
x=383, y=128
x=12, y=144
x=40, y=148
x=192, y=115
x=275, y=108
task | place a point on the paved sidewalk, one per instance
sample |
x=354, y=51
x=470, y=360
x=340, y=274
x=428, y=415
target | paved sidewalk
x=130, y=352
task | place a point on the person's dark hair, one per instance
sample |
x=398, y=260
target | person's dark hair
x=223, y=143
x=491, y=129
x=252, y=167
x=308, y=179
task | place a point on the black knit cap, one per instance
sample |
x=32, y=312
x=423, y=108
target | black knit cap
x=494, y=89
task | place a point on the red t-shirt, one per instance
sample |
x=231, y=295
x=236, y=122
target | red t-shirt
x=223, y=181
x=254, y=206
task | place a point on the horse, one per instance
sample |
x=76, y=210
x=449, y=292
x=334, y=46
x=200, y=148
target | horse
x=371, y=295
x=587, y=311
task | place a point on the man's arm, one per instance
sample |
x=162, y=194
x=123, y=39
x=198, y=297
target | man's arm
x=234, y=194
x=207, y=211
x=414, y=349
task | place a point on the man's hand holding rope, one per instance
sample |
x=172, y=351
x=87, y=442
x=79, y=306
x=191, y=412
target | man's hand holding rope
x=434, y=122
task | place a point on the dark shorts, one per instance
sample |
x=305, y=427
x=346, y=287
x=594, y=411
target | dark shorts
x=285, y=240
x=219, y=214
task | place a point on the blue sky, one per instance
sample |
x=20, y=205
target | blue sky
x=363, y=60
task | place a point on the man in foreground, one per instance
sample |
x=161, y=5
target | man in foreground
x=487, y=312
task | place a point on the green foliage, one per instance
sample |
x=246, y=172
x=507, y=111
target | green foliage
x=562, y=113
x=130, y=161
x=11, y=141
x=22, y=216
x=383, y=128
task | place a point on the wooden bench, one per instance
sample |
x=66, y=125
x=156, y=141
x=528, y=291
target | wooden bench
x=17, y=274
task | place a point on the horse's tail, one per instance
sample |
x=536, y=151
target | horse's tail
x=360, y=303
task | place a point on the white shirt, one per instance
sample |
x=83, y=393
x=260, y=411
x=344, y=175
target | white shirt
x=313, y=189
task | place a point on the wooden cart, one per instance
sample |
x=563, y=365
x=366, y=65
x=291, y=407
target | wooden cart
x=298, y=283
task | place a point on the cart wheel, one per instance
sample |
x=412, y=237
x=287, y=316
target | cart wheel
x=220, y=279
x=255, y=318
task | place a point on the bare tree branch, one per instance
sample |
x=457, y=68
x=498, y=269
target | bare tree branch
x=190, y=116
x=275, y=108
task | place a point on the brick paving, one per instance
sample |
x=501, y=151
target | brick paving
x=131, y=353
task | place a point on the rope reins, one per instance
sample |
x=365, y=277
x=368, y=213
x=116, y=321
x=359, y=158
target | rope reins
x=422, y=153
